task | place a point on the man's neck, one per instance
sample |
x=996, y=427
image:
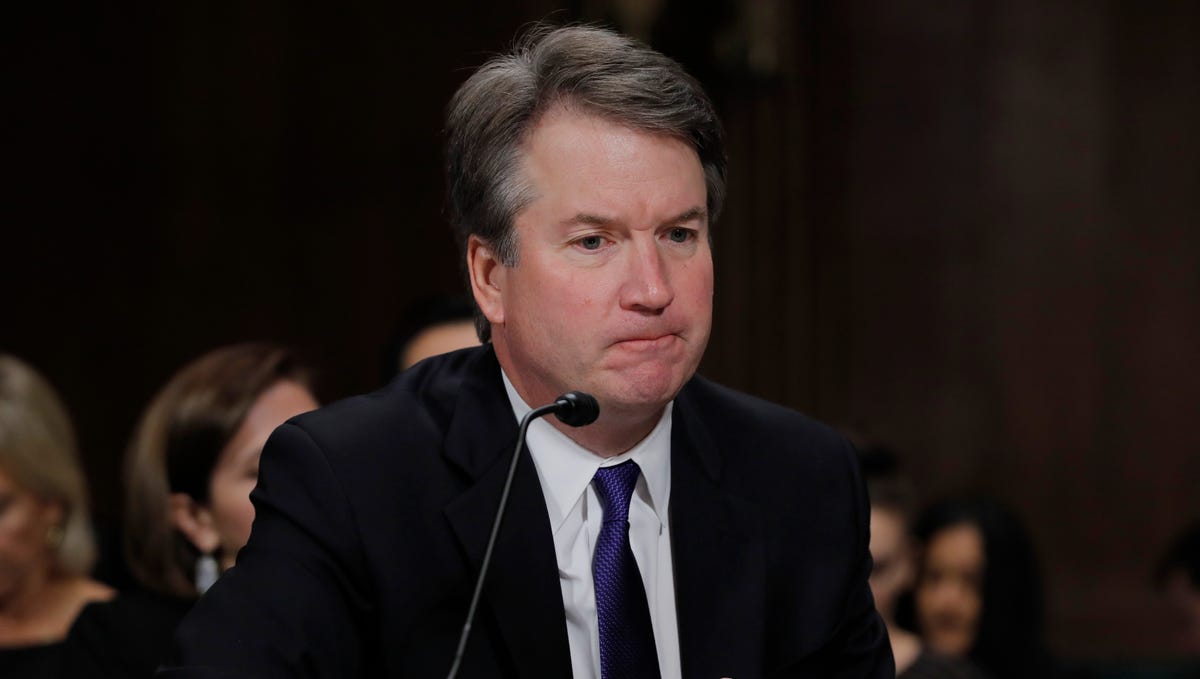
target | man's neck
x=614, y=432
x=611, y=434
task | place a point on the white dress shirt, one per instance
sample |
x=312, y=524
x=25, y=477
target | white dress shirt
x=565, y=470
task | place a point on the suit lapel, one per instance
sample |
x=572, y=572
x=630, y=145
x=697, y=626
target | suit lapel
x=719, y=557
x=521, y=590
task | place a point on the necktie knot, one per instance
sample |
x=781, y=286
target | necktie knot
x=614, y=487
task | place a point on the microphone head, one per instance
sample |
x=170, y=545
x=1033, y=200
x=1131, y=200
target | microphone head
x=577, y=408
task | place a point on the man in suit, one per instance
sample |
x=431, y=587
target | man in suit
x=691, y=531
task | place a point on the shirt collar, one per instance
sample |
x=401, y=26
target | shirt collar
x=565, y=468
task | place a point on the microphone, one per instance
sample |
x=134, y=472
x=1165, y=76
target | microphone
x=574, y=408
x=577, y=409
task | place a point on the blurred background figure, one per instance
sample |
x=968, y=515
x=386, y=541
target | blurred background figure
x=978, y=592
x=46, y=542
x=433, y=325
x=1177, y=577
x=189, y=471
x=894, y=554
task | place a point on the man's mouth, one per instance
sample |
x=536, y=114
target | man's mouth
x=648, y=343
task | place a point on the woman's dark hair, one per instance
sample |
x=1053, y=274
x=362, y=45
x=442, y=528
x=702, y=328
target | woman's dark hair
x=176, y=448
x=887, y=485
x=1009, y=638
x=1183, y=556
x=425, y=313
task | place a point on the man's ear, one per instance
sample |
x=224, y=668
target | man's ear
x=195, y=522
x=487, y=279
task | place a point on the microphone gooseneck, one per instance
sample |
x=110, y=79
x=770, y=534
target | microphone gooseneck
x=574, y=408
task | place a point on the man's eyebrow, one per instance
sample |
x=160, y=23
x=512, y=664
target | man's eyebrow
x=688, y=216
x=587, y=219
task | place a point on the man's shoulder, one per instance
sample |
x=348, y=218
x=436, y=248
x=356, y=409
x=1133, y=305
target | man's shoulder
x=729, y=413
x=762, y=444
x=418, y=404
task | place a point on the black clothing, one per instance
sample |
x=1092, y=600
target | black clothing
x=126, y=638
x=30, y=662
x=933, y=666
x=372, y=514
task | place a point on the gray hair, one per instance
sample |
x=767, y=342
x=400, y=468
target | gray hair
x=38, y=451
x=599, y=71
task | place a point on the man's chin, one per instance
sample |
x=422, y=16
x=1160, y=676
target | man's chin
x=641, y=398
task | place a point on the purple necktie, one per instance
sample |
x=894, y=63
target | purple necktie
x=626, y=635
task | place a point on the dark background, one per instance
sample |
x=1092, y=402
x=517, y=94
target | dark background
x=968, y=229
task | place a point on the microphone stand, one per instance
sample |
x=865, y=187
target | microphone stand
x=580, y=409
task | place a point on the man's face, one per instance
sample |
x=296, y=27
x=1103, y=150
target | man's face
x=612, y=292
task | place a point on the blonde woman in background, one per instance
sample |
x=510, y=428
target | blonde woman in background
x=46, y=541
x=188, y=475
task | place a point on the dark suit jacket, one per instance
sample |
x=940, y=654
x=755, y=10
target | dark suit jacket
x=373, y=515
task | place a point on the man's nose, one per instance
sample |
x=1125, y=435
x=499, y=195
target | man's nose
x=647, y=286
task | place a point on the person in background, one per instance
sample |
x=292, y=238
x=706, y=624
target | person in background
x=433, y=325
x=978, y=593
x=1177, y=577
x=46, y=541
x=894, y=555
x=190, y=468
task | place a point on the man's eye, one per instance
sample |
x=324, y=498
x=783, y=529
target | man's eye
x=591, y=242
x=679, y=235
